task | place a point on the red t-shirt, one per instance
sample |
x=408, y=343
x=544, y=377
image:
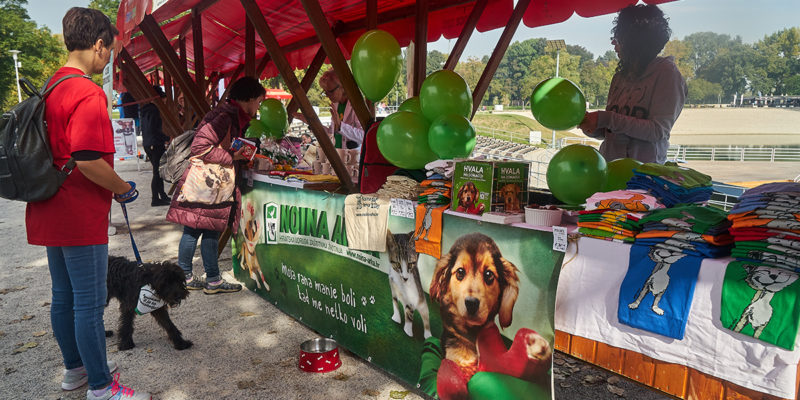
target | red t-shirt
x=77, y=119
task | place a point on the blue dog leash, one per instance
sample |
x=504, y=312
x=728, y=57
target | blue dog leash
x=128, y=197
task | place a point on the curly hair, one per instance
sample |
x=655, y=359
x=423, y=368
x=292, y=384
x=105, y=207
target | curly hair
x=641, y=31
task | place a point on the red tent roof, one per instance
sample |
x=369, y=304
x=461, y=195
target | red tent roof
x=224, y=24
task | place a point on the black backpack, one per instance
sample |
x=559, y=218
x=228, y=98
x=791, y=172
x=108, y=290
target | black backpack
x=176, y=158
x=27, y=172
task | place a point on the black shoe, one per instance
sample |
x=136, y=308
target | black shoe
x=163, y=196
x=156, y=203
x=195, y=284
x=222, y=287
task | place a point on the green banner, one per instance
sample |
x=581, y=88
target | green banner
x=292, y=250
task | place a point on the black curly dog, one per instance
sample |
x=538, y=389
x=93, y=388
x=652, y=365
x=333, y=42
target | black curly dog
x=125, y=278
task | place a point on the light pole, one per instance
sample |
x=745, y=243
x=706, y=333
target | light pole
x=556, y=45
x=16, y=71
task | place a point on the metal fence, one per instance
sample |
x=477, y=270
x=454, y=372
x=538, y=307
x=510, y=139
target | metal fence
x=733, y=153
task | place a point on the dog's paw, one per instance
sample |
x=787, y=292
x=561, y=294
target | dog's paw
x=183, y=345
x=109, y=333
x=408, y=329
x=125, y=345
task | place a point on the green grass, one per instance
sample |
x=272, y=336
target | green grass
x=520, y=125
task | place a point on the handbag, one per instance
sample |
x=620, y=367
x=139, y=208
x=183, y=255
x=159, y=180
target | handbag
x=208, y=183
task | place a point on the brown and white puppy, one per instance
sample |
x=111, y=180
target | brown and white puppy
x=510, y=195
x=473, y=284
x=467, y=199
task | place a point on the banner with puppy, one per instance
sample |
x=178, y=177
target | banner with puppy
x=477, y=321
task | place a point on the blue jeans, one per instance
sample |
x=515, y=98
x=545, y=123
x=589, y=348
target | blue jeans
x=208, y=251
x=78, y=274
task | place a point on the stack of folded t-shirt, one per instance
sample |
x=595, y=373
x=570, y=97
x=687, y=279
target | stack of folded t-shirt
x=766, y=225
x=615, y=215
x=672, y=184
x=399, y=187
x=689, y=228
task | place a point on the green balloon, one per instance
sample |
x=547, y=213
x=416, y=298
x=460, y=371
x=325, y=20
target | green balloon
x=376, y=61
x=411, y=104
x=445, y=92
x=620, y=171
x=494, y=385
x=575, y=173
x=273, y=114
x=256, y=129
x=403, y=140
x=558, y=104
x=451, y=136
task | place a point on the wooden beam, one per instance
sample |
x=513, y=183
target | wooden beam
x=497, y=54
x=372, y=14
x=308, y=80
x=137, y=84
x=274, y=49
x=183, y=55
x=466, y=32
x=328, y=41
x=199, y=57
x=249, y=49
x=191, y=92
x=420, y=44
x=262, y=65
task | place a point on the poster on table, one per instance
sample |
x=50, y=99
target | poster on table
x=492, y=292
x=124, y=138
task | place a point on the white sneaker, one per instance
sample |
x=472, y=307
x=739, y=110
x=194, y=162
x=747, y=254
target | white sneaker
x=119, y=392
x=75, y=378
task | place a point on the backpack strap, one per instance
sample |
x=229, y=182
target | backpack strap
x=70, y=164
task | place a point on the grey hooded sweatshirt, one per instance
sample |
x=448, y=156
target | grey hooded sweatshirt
x=640, y=113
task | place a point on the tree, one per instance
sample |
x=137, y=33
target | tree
x=434, y=62
x=108, y=7
x=41, y=53
x=471, y=71
x=580, y=51
x=515, y=66
x=729, y=68
x=702, y=91
x=682, y=53
x=792, y=85
x=595, y=79
x=705, y=46
x=608, y=57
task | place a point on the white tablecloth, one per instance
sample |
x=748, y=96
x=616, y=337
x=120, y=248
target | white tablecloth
x=587, y=301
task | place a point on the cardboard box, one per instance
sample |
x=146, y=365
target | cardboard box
x=510, y=188
x=472, y=186
x=483, y=186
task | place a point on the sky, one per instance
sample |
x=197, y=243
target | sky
x=750, y=19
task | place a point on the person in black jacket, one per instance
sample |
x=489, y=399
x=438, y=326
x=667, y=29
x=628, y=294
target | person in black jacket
x=154, y=142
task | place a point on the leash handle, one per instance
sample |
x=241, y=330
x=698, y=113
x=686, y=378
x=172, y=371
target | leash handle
x=130, y=232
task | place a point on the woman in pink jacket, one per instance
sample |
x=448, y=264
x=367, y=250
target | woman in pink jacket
x=219, y=127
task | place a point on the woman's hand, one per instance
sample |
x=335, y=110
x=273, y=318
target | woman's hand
x=337, y=123
x=589, y=123
x=238, y=155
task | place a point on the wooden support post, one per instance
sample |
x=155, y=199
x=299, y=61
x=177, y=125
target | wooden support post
x=262, y=65
x=137, y=84
x=466, y=33
x=274, y=49
x=372, y=23
x=197, y=43
x=191, y=93
x=325, y=35
x=497, y=54
x=308, y=80
x=420, y=44
x=183, y=56
x=249, y=49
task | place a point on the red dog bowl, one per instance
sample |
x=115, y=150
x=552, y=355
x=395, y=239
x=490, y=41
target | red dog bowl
x=319, y=355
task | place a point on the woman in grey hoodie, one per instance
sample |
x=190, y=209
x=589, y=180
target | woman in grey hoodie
x=647, y=92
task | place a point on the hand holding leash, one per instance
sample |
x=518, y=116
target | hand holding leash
x=128, y=196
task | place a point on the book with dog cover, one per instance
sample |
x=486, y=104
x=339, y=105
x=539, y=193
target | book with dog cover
x=510, y=188
x=472, y=186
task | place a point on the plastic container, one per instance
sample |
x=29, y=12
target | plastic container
x=542, y=217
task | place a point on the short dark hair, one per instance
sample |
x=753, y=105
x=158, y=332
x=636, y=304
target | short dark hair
x=642, y=31
x=246, y=88
x=82, y=27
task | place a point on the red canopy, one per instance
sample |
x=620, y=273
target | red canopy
x=223, y=24
x=279, y=94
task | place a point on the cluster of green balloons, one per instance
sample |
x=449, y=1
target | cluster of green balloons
x=558, y=104
x=576, y=172
x=431, y=126
x=376, y=61
x=272, y=122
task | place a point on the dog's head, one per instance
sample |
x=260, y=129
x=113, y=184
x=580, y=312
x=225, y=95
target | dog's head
x=473, y=282
x=767, y=278
x=169, y=282
x=467, y=194
x=510, y=195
